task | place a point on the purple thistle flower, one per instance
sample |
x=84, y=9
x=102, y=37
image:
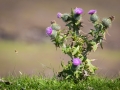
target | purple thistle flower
x=92, y=12
x=49, y=31
x=78, y=10
x=76, y=61
x=59, y=15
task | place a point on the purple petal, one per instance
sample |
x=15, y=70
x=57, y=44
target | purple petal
x=59, y=15
x=49, y=31
x=92, y=11
x=78, y=10
x=76, y=61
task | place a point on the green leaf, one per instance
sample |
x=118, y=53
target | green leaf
x=101, y=44
x=101, y=27
x=68, y=77
x=72, y=12
x=91, y=67
x=94, y=47
x=69, y=25
x=92, y=32
x=76, y=73
x=92, y=43
x=75, y=50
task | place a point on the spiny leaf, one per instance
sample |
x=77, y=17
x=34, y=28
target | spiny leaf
x=75, y=50
x=94, y=47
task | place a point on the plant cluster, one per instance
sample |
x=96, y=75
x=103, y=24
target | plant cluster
x=76, y=44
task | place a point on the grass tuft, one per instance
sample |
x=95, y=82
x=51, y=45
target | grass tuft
x=24, y=82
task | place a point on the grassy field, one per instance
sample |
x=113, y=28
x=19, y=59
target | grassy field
x=24, y=82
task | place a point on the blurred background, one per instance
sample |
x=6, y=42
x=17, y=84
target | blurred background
x=25, y=47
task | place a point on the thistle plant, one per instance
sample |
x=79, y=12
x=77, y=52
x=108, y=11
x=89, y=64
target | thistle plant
x=76, y=44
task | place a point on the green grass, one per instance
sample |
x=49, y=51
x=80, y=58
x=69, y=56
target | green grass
x=24, y=82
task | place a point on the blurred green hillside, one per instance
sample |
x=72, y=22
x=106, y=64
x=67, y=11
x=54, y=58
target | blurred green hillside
x=22, y=29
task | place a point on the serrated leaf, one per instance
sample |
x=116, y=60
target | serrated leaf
x=91, y=67
x=77, y=23
x=85, y=73
x=94, y=47
x=91, y=32
x=67, y=49
x=101, y=44
x=69, y=25
x=75, y=50
x=101, y=27
x=76, y=73
x=92, y=43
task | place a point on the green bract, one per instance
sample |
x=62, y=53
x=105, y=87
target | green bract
x=77, y=45
x=65, y=17
x=94, y=17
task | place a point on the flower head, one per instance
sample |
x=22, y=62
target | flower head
x=49, y=31
x=92, y=12
x=59, y=15
x=76, y=61
x=78, y=10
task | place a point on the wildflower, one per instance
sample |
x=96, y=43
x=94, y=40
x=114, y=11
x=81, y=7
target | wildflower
x=93, y=16
x=76, y=61
x=78, y=10
x=59, y=15
x=92, y=12
x=49, y=31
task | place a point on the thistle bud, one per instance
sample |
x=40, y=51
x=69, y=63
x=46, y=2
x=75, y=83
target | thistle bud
x=94, y=17
x=51, y=32
x=106, y=22
x=59, y=15
x=55, y=27
x=78, y=18
x=65, y=17
x=54, y=33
